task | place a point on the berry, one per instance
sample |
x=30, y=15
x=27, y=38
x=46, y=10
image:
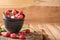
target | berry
x=21, y=36
x=13, y=35
x=14, y=11
x=7, y=34
x=20, y=17
x=27, y=31
x=7, y=12
x=21, y=33
x=21, y=12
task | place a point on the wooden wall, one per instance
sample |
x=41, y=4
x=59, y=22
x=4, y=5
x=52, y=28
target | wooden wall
x=39, y=14
x=42, y=12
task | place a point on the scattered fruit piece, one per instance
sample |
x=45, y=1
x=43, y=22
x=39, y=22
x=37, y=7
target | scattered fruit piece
x=22, y=36
x=20, y=17
x=13, y=35
x=27, y=31
x=7, y=34
x=7, y=12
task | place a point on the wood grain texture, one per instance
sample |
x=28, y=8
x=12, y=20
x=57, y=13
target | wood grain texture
x=52, y=29
x=38, y=14
x=25, y=3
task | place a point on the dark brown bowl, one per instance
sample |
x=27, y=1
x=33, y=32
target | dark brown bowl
x=13, y=26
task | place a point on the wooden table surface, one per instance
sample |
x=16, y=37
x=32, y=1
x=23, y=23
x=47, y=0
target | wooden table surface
x=51, y=29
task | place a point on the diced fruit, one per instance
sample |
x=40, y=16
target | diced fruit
x=8, y=16
x=7, y=34
x=21, y=12
x=13, y=35
x=27, y=31
x=20, y=17
x=14, y=11
x=21, y=33
x=7, y=12
x=22, y=36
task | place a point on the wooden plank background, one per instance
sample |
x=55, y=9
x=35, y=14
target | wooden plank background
x=34, y=10
x=38, y=14
x=22, y=3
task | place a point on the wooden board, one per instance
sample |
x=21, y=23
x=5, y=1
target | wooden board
x=41, y=28
x=54, y=31
x=57, y=26
x=51, y=29
x=47, y=32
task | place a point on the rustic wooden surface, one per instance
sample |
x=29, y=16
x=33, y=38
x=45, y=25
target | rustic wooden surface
x=26, y=3
x=51, y=29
